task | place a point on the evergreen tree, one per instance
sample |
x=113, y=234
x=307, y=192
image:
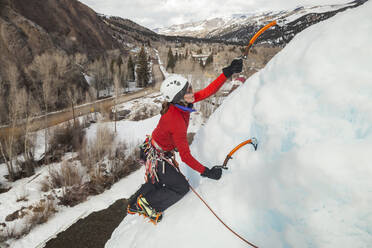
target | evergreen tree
x=209, y=60
x=130, y=67
x=171, y=60
x=202, y=65
x=143, y=70
x=170, y=54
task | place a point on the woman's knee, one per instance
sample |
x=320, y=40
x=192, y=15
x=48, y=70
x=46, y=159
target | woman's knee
x=185, y=188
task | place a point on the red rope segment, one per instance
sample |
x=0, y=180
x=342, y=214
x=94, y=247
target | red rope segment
x=206, y=204
x=210, y=209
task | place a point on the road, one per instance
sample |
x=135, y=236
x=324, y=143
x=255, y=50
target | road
x=103, y=105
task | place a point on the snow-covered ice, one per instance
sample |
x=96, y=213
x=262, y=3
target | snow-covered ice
x=309, y=183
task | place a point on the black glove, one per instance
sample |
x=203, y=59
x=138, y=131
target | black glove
x=235, y=67
x=214, y=173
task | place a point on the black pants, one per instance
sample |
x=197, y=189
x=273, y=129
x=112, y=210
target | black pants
x=172, y=186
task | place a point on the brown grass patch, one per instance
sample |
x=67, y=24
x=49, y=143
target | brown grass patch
x=41, y=212
x=92, y=153
x=103, y=176
x=66, y=138
x=36, y=214
x=68, y=175
x=71, y=196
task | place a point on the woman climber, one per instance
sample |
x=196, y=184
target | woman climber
x=165, y=185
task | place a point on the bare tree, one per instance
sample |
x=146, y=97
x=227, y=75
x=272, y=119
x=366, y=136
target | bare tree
x=3, y=110
x=50, y=67
x=124, y=75
x=80, y=59
x=7, y=145
x=30, y=109
x=118, y=74
x=117, y=85
x=99, y=70
x=46, y=96
x=71, y=93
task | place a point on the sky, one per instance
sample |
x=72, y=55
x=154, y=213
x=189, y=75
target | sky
x=163, y=13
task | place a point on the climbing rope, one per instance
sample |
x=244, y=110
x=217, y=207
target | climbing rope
x=214, y=213
x=231, y=230
x=252, y=141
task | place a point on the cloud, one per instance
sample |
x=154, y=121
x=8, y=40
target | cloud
x=161, y=13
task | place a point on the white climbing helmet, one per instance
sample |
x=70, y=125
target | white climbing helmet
x=174, y=88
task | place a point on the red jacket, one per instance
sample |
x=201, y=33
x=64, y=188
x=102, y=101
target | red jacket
x=171, y=131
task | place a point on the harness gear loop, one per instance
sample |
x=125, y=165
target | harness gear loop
x=155, y=157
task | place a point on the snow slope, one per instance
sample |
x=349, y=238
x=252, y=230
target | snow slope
x=309, y=183
x=132, y=133
x=66, y=216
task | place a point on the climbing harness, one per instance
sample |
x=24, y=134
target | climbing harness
x=154, y=158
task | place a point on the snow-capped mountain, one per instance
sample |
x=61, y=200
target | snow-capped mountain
x=240, y=27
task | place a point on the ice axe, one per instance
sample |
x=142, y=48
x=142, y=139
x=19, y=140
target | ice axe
x=259, y=32
x=252, y=141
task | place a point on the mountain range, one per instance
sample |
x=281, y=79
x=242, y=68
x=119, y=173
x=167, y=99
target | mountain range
x=241, y=27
